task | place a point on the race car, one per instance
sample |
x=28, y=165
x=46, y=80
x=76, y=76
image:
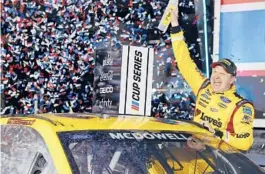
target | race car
x=106, y=144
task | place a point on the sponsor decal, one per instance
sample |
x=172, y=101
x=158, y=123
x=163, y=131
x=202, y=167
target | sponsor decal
x=205, y=96
x=197, y=112
x=246, y=119
x=135, y=105
x=82, y=136
x=202, y=104
x=106, y=76
x=108, y=61
x=204, y=101
x=221, y=105
x=105, y=103
x=225, y=100
x=105, y=90
x=226, y=62
x=136, y=80
x=247, y=110
x=208, y=92
x=211, y=120
x=243, y=135
x=148, y=136
x=22, y=121
x=213, y=109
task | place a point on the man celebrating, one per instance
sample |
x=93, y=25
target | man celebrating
x=218, y=106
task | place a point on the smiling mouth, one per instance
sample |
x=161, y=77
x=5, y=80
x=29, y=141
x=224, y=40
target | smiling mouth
x=217, y=83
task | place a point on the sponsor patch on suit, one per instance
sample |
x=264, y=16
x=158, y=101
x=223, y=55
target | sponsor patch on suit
x=246, y=119
x=222, y=105
x=202, y=100
x=213, y=109
x=247, y=110
x=202, y=104
x=225, y=99
x=205, y=96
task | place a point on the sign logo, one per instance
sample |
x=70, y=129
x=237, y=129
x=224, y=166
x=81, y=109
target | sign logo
x=137, y=79
x=105, y=90
x=135, y=105
x=108, y=61
x=105, y=103
x=106, y=76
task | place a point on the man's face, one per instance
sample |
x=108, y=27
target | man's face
x=221, y=80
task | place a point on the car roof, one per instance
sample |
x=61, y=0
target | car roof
x=45, y=124
x=73, y=122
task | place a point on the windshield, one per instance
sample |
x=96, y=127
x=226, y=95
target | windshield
x=143, y=152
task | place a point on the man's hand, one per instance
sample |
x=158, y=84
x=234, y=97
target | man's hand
x=174, y=16
x=207, y=125
x=216, y=132
x=196, y=144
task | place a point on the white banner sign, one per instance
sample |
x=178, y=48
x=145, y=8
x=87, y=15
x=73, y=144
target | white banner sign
x=136, y=80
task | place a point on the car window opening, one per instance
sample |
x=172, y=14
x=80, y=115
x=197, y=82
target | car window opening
x=38, y=164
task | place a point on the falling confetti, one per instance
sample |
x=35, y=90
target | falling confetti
x=49, y=51
x=196, y=19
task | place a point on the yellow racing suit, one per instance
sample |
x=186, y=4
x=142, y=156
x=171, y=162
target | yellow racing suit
x=227, y=113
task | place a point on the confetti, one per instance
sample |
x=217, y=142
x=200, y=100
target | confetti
x=58, y=42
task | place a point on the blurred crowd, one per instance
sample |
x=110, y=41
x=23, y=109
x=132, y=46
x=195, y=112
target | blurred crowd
x=48, y=51
x=176, y=106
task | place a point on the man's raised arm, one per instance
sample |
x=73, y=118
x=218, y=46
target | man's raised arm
x=186, y=65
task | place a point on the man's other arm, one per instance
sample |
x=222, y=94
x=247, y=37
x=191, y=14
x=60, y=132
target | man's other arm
x=240, y=128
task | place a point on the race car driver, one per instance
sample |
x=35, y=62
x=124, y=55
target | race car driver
x=218, y=106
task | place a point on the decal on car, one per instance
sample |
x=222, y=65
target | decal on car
x=147, y=135
x=23, y=121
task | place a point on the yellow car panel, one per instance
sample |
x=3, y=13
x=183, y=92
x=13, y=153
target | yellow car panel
x=165, y=158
